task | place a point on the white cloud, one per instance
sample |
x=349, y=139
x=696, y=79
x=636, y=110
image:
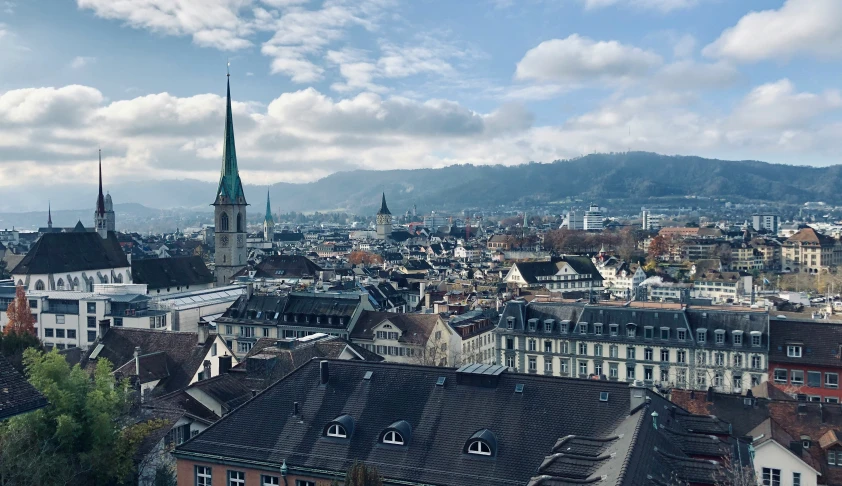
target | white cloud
x=79, y=62
x=661, y=5
x=691, y=75
x=812, y=27
x=779, y=105
x=578, y=59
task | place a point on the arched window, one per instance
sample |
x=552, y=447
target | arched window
x=479, y=447
x=118, y=278
x=336, y=430
x=60, y=284
x=223, y=222
x=239, y=222
x=39, y=285
x=76, y=283
x=392, y=437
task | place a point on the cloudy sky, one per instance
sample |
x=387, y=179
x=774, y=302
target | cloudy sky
x=327, y=85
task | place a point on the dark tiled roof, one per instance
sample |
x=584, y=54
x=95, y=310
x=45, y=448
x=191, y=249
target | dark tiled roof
x=17, y=395
x=184, y=357
x=158, y=273
x=415, y=328
x=72, y=252
x=820, y=342
x=286, y=266
x=530, y=271
x=226, y=389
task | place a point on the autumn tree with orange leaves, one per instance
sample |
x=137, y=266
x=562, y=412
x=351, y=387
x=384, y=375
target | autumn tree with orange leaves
x=20, y=315
x=364, y=257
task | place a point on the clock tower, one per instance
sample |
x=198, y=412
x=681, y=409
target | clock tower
x=229, y=209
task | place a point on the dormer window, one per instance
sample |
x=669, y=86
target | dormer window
x=613, y=329
x=702, y=335
x=337, y=430
x=482, y=443
x=682, y=334
x=562, y=327
x=548, y=325
x=793, y=351
x=755, y=338
x=720, y=336
x=397, y=434
x=737, y=338
x=631, y=330
x=532, y=324
x=583, y=328
x=341, y=427
x=648, y=332
x=510, y=322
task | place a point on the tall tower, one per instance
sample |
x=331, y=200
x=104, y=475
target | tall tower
x=229, y=208
x=49, y=215
x=101, y=215
x=268, y=222
x=384, y=221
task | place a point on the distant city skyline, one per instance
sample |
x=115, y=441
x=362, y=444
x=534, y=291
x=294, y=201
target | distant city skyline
x=323, y=86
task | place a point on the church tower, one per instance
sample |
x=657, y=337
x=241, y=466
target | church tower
x=104, y=220
x=229, y=208
x=49, y=215
x=268, y=222
x=384, y=221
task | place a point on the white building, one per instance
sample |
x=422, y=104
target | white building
x=768, y=222
x=774, y=460
x=467, y=253
x=574, y=220
x=650, y=222
x=593, y=218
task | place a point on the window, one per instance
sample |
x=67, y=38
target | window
x=229, y=330
x=33, y=304
x=548, y=326
x=793, y=351
x=831, y=399
x=92, y=322
x=562, y=327
x=510, y=361
x=755, y=339
x=392, y=437
x=613, y=351
x=665, y=375
x=548, y=346
x=682, y=334
x=236, y=478
x=648, y=332
x=831, y=380
x=701, y=358
x=59, y=333
x=665, y=355
x=597, y=350
x=533, y=364
x=720, y=337
x=91, y=307
x=48, y=332
x=301, y=482
x=613, y=329
x=564, y=366
x=597, y=368
x=647, y=354
x=597, y=329
x=548, y=365
x=510, y=343
x=756, y=361
x=681, y=356
x=681, y=376
x=244, y=347
x=780, y=376
x=796, y=377
x=91, y=336
x=583, y=328
x=613, y=370
x=630, y=352
x=532, y=324
x=564, y=347
x=647, y=373
x=265, y=332
x=532, y=345
x=71, y=334
x=583, y=348
x=814, y=379
x=336, y=430
x=203, y=476
x=213, y=350
x=796, y=479
x=631, y=331
x=719, y=359
x=59, y=319
x=701, y=380
x=479, y=447
x=738, y=338
x=509, y=322
x=701, y=336
x=738, y=360
x=771, y=477
x=39, y=285
x=118, y=322
x=270, y=480
x=630, y=372
x=583, y=367
x=246, y=331
x=665, y=333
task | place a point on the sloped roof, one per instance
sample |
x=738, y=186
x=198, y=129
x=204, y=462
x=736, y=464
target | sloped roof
x=61, y=253
x=17, y=395
x=820, y=342
x=286, y=266
x=416, y=328
x=159, y=273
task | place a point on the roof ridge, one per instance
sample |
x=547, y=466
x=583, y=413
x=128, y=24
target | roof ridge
x=638, y=427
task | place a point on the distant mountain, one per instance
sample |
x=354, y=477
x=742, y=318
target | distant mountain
x=633, y=177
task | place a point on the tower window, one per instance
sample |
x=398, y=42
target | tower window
x=223, y=222
x=239, y=222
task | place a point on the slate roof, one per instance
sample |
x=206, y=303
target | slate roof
x=272, y=362
x=226, y=389
x=286, y=266
x=62, y=253
x=580, y=264
x=536, y=438
x=17, y=395
x=183, y=355
x=158, y=273
x=302, y=309
x=820, y=342
x=416, y=328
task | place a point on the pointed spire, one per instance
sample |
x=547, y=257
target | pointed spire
x=100, y=200
x=383, y=208
x=268, y=208
x=230, y=185
x=49, y=215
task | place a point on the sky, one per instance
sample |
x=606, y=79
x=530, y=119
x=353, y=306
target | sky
x=321, y=86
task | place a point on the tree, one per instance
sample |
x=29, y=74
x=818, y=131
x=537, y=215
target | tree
x=361, y=474
x=77, y=439
x=20, y=315
x=658, y=247
x=358, y=257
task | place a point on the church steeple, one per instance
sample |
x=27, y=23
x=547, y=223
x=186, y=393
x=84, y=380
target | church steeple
x=100, y=200
x=230, y=186
x=49, y=215
x=383, y=208
x=268, y=217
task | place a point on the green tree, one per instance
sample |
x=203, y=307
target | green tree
x=13, y=344
x=77, y=439
x=361, y=474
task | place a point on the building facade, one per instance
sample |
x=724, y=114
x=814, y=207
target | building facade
x=229, y=209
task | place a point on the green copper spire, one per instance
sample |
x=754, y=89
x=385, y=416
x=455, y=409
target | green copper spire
x=230, y=187
x=268, y=217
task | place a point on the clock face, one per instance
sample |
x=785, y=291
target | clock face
x=223, y=240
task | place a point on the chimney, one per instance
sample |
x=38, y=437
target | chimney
x=249, y=290
x=324, y=373
x=224, y=364
x=638, y=395
x=137, y=360
x=422, y=290
x=202, y=333
x=104, y=325
x=709, y=396
x=207, y=365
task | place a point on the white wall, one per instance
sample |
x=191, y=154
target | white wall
x=773, y=455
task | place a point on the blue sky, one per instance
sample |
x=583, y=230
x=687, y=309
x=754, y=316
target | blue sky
x=331, y=85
